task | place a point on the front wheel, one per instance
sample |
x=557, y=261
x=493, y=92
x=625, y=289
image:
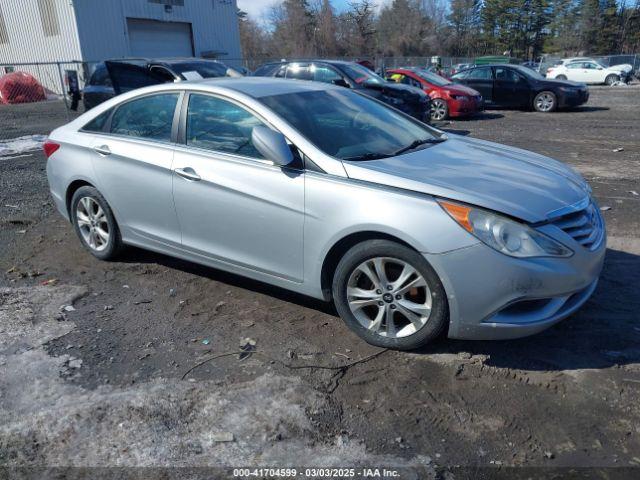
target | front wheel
x=611, y=79
x=545, y=102
x=439, y=109
x=389, y=295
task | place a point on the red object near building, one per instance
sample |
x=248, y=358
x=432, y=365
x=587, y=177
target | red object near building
x=448, y=99
x=20, y=87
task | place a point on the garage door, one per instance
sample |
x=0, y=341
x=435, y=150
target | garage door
x=150, y=38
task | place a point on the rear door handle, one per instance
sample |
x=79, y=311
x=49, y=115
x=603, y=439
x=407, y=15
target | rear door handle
x=102, y=150
x=188, y=173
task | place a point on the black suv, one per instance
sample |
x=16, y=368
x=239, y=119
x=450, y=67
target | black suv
x=114, y=77
x=410, y=100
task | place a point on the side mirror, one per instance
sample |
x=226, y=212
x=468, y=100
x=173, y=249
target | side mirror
x=340, y=82
x=272, y=145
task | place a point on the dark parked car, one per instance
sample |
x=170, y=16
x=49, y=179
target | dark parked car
x=410, y=100
x=516, y=86
x=114, y=77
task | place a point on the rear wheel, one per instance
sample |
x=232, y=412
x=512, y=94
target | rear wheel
x=545, y=102
x=561, y=77
x=439, y=109
x=95, y=224
x=389, y=295
x=611, y=79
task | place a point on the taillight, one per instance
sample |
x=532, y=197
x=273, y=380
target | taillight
x=50, y=148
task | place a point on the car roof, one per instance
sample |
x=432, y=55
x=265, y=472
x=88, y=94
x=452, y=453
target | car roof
x=258, y=87
x=166, y=60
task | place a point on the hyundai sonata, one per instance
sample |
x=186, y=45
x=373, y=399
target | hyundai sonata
x=315, y=188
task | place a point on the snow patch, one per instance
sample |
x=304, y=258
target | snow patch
x=16, y=146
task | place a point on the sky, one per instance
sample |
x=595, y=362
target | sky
x=257, y=9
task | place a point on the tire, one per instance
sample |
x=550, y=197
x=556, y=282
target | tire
x=561, y=77
x=611, y=79
x=368, y=319
x=545, y=102
x=92, y=218
x=439, y=109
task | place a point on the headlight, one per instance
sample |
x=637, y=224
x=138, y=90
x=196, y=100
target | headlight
x=459, y=97
x=568, y=89
x=503, y=234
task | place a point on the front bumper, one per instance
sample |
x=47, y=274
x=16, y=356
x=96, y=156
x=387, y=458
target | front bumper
x=493, y=296
x=463, y=108
x=574, y=98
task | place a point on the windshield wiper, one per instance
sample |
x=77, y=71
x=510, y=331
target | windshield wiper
x=367, y=156
x=417, y=143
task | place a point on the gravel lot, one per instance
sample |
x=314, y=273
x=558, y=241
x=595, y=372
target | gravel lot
x=102, y=383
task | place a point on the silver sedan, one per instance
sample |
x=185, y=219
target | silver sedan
x=411, y=232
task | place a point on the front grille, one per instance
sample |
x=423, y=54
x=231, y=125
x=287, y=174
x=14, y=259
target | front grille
x=585, y=226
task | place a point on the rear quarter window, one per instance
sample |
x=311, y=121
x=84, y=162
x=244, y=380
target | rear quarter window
x=98, y=123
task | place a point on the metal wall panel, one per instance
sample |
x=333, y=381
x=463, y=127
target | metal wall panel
x=102, y=26
x=25, y=29
x=93, y=30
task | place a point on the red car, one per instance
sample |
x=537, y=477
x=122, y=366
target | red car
x=448, y=99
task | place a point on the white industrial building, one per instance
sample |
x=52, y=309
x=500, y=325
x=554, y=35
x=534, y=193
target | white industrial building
x=94, y=30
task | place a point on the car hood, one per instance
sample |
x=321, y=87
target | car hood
x=516, y=182
x=395, y=88
x=563, y=83
x=625, y=67
x=458, y=89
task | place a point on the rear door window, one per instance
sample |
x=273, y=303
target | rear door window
x=479, y=74
x=222, y=126
x=149, y=117
x=324, y=73
x=299, y=71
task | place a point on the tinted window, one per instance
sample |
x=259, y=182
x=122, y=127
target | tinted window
x=299, y=71
x=100, y=76
x=479, y=74
x=573, y=66
x=360, y=74
x=148, y=117
x=323, y=73
x=97, y=124
x=433, y=78
x=506, y=75
x=204, y=69
x=216, y=124
x=265, y=70
x=347, y=125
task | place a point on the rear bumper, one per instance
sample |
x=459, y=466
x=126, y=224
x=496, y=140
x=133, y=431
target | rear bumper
x=492, y=296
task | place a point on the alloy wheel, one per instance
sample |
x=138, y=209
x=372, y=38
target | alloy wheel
x=438, y=110
x=545, y=102
x=389, y=297
x=92, y=223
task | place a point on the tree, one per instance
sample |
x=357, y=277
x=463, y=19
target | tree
x=253, y=39
x=326, y=25
x=294, y=29
x=402, y=28
x=357, y=29
x=464, y=27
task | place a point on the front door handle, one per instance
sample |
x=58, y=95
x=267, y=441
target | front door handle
x=102, y=150
x=188, y=173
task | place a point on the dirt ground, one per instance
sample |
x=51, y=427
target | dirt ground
x=110, y=379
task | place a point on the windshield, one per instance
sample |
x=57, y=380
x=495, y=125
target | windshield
x=349, y=126
x=433, y=78
x=204, y=69
x=360, y=74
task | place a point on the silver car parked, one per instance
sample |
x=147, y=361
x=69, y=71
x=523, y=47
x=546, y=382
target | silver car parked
x=317, y=189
